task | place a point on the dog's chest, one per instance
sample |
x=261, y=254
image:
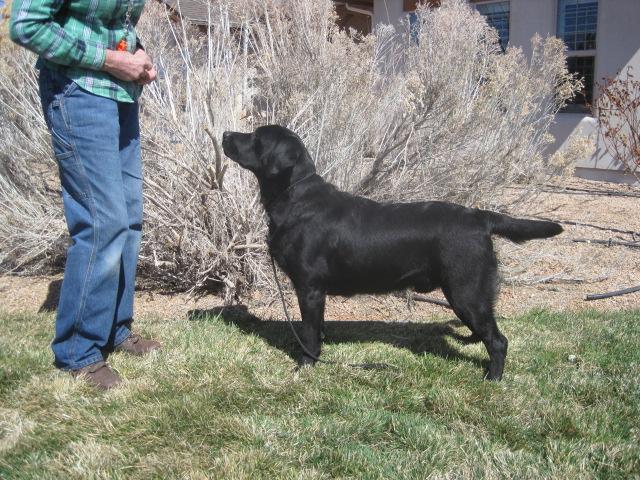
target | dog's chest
x=279, y=248
x=290, y=249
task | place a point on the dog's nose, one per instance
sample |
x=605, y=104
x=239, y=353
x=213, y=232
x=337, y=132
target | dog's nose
x=225, y=135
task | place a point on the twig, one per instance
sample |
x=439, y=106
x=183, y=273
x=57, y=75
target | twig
x=608, y=243
x=590, y=225
x=220, y=168
x=250, y=246
x=553, y=279
x=617, y=293
x=588, y=191
x=424, y=298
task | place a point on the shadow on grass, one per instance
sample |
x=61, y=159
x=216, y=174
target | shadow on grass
x=419, y=338
x=50, y=303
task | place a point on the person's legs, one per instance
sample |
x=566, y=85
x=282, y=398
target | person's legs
x=131, y=166
x=85, y=135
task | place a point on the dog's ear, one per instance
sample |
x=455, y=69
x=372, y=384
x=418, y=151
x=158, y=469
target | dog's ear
x=284, y=156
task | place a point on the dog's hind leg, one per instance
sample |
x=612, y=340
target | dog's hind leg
x=480, y=319
x=484, y=326
x=312, y=302
x=471, y=294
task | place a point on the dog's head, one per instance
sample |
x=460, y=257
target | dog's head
x=270, y=152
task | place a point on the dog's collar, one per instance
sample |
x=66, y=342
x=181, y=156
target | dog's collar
x=272, y=202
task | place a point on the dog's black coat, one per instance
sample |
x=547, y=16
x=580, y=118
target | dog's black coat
x=332, y=242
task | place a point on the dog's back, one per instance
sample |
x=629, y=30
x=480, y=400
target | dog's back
x=331, y=242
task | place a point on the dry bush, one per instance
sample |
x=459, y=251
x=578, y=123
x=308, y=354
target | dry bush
x=449, y=117
x=32, y=228
x=619, y=115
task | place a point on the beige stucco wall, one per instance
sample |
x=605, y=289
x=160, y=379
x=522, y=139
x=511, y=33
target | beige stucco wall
x=618, y=46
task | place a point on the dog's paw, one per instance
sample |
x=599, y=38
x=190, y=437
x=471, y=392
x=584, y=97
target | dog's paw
x=492, y=376
x=305, y=361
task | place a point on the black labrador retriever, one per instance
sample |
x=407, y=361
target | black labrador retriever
x=332, y=242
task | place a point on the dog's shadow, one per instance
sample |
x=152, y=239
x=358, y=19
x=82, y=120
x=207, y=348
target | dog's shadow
x=419, y=338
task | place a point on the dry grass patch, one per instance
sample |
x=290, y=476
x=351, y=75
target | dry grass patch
x=221, y=401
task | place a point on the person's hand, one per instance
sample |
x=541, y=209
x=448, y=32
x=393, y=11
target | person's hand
x=127, y=66
x=149, y=75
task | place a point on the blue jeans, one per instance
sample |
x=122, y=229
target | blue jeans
x=96, y=142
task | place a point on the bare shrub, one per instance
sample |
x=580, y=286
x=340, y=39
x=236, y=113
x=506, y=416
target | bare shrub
x=619, y=116
x=203, y=224
x=32, y=229
x=449, y=117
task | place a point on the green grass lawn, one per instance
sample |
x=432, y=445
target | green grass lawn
x=222, y=401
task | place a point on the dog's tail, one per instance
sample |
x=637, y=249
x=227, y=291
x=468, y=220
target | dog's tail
x=520, y=230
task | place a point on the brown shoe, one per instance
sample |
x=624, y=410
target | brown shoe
x=98, y=374
x=136, y=345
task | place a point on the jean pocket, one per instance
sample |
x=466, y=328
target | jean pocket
x=58, y=124
x=73, y=177
x=61, y=145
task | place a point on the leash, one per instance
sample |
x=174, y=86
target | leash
x=364, y=366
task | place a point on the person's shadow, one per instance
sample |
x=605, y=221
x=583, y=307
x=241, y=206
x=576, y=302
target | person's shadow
x=50, y=303
x=419, y=338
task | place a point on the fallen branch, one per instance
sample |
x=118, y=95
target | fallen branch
x=588, y=191
x=617, y=293
x=553, y=279
x=608, y=243
x=424, y=298
x=590, y=225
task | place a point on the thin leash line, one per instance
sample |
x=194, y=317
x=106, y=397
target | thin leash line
x=364, y=366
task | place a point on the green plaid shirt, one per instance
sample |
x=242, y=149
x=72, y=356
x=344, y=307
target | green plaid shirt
x=71, y=36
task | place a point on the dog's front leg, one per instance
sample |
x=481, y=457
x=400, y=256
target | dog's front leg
x=311, y=301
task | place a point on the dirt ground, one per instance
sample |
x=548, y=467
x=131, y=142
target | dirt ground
x=556, y=273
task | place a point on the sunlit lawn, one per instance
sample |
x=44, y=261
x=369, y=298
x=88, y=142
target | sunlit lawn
x=222, y=401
